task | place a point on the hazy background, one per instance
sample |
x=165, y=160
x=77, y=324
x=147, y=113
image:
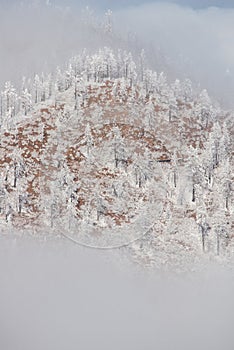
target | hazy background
x=57, y=296
x=195, y=43
x=183, y=38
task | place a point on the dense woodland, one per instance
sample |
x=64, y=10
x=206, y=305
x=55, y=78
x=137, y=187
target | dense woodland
x=105, y=141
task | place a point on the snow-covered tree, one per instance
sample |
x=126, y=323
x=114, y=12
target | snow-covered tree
x=119, y=148
x=37, y=89
x=26, y=101
x=88, y=139
x=9, y=101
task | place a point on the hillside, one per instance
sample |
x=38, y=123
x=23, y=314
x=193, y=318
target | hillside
x=110, y=154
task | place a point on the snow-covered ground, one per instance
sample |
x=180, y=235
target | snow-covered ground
x=108, y=154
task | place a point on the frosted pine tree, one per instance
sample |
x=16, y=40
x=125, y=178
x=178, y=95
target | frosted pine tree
x=26, y=102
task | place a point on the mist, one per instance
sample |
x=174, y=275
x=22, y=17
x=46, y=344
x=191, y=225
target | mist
x=183, y=40
x=56, y=296
x=195, y=44
x=37, y=37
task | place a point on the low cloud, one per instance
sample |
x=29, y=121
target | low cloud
x=193, y=43
x=36, y=38
x=180, y=40
x=58, y=296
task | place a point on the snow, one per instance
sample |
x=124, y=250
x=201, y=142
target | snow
x=110, y=155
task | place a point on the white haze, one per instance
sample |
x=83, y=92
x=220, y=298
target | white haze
x=182, y=41
x=57, y=296
x=36, y=38
x=197, y=43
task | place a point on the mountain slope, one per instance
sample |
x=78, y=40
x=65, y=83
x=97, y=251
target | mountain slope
x=108, y=149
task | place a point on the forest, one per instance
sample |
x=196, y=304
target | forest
x=105, y=144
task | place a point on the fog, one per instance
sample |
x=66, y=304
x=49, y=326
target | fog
x=196, y=43
x=36, y=38
x=181, y=39
x=58, y=296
